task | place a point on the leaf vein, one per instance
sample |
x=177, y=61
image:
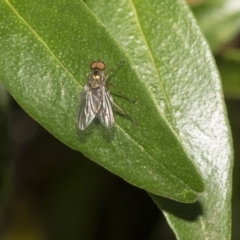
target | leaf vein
x=153, y=62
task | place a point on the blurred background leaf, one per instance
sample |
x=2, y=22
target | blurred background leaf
x=229, y=66
x=219, y=21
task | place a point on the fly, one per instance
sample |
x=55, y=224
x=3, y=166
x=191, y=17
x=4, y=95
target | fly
x=96, y=101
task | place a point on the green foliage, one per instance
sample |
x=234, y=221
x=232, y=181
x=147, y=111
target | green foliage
x=45, y=69
x=182, y=140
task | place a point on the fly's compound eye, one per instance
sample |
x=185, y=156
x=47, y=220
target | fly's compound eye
x=98, y=65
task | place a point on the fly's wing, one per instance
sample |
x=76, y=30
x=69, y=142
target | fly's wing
x=89, y=106
x=105, y=113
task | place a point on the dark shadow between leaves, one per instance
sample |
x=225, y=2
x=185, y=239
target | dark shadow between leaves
x=185, y=211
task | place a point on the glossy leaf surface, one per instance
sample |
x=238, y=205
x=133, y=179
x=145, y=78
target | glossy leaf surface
x=50, y=46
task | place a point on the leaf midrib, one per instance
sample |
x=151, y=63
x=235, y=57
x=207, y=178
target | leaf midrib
x=154, y=65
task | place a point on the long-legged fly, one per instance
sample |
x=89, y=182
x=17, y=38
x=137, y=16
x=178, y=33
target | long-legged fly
x=95, y=100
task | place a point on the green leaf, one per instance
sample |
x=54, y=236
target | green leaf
x=219, y=21
x=229, y=67
x=164, y=36
x=45, y=52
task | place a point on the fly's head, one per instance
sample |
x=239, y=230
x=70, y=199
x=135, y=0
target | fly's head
x=97, y=76
x=97, y=65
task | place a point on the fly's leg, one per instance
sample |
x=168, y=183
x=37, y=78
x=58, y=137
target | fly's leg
x=121, y=94
x=123, y=113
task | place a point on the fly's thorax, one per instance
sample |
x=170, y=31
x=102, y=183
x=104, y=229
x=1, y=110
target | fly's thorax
x=96, y=79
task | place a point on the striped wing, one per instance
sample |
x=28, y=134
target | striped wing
x=90, y=103
x=105, y=113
